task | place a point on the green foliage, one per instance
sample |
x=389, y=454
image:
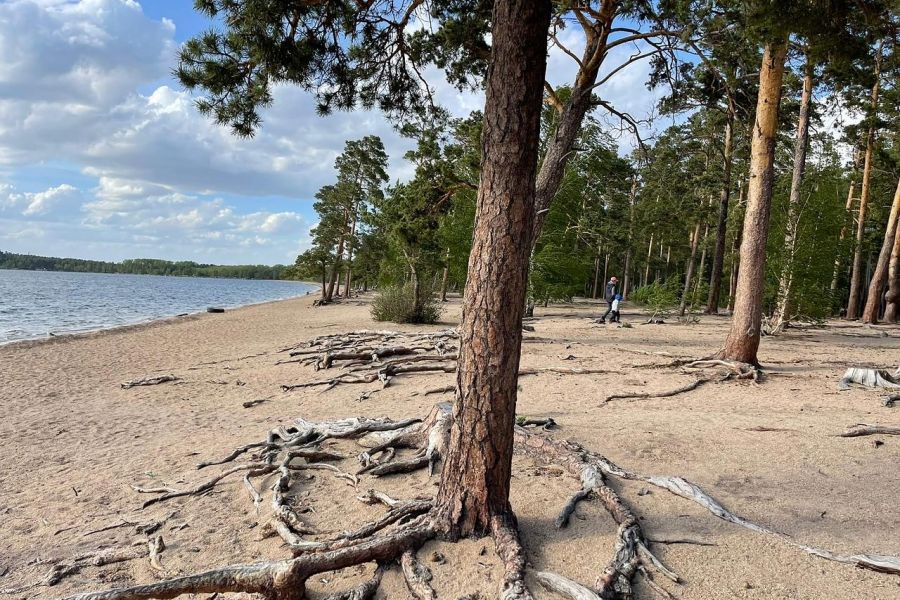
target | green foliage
x=398, y=304
x=661, y=297
x=142, y=266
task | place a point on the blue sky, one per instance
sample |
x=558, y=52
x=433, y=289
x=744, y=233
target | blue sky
x=104, y=156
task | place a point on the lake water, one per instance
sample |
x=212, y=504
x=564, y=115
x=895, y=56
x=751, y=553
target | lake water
x=35, y=303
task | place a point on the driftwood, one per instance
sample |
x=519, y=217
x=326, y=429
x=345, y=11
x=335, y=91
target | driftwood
x=149, y=381
x=873, y=378
x=890, y=400
x=861, y=429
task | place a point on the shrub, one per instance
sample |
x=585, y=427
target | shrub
x=397, y=303
x=660, y=297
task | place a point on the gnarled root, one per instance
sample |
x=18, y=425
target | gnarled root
x=733, y=369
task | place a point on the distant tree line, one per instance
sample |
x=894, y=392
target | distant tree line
x=140, y=266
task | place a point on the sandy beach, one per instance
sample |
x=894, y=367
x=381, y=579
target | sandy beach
x=73, y=443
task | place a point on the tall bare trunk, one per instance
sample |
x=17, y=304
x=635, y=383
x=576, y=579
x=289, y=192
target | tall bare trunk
x=785, y=304
x=715, y=277
x=856, y=278
x=445, y=278
x=646, y=279
x=892, y=308
x=880, y=275
x=596, y=285
x=625, y=276
x=742, y=342
x=695, y=240
x=701, y=268
x=475, y=479
x=841, y=238
x=350, y=256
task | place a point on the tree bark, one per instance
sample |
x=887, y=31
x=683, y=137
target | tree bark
x=701, y=268
x=785, y=303
x=856, y=276
x=475, y=477
x=625, y=276
x=742, y=342
x=892, y=298
x=715, y=277
x=880, y=275
x=841, y=238
x=596, y=285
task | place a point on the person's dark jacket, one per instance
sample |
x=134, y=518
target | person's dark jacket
x=611, y=290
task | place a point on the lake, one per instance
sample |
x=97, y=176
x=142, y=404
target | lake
x=34, y=304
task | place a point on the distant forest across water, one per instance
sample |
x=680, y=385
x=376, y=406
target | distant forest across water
x=141, y=266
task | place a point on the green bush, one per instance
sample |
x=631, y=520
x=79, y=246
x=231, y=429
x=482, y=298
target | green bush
x=661, y=297
x=397, y=303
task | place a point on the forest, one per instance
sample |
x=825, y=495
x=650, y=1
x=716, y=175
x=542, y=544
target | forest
x=746, y=204
x=140, y=266
x=667, y=218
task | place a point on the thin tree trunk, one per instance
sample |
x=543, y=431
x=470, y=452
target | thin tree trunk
x=596, y=274
x=785, y=303
x=892, y=307
x=715, y=277
x=605, y=273
x=475, y=477
x=841, y=238
x=880, y=275
x=649, y=257
x=701, y=269
x=350, y=256
x=695, y=240
x=626, y=278
x=742, y=342
x=856, y=276
x=445, y=278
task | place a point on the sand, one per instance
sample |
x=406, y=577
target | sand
x=72, y=443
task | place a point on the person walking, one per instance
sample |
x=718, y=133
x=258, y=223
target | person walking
x=612, y=289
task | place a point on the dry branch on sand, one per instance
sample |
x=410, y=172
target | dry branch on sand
x=666, y=394
x=408, y=524
x=861, y=429
x=149, y=381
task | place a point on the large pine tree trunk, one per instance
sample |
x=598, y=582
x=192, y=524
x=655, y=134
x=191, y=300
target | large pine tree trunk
x=785, y=303
x=880, y=275
x=841, y=238
x=475, y=478
x=742, y=342
x=856, y=278
x=892, y=308
x=715, y=278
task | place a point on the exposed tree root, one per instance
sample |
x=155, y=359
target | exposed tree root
x=408, y=524
x=149, y=381
x=862, y=429
x=873, y=378
x=66, y=568
x=418, y=577
x=890, y=400
x=667, y=394
x=734, y=369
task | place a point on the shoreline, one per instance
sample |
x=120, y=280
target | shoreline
x=69, y=336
